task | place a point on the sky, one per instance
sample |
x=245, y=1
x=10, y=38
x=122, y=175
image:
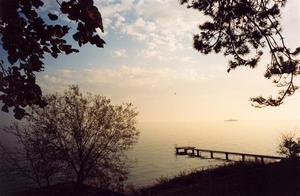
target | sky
x=149, y=60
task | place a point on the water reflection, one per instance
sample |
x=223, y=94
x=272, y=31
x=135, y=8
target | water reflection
x=154, y=155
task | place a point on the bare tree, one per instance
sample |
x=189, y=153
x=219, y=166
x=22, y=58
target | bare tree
x=32, y=157
x=83, y=138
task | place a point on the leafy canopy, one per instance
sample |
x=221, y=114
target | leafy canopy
x=241, y=29
x=27, y=36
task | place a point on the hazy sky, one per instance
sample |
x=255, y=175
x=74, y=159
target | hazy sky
x=149, y=60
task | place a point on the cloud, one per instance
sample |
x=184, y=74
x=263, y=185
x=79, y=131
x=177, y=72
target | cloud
x=139, y=29
x=123, y=76
x=120, y=53
x=127, y=78
x=54, y=83
x=110, y=7
x=66, y=73
x=163, y=26
x=145, y=77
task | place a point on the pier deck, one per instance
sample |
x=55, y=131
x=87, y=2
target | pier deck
x=197, y=152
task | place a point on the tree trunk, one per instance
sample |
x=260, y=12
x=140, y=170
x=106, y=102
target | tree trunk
x=80, y=179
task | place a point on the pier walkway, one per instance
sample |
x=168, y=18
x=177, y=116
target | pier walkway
x=196, y=152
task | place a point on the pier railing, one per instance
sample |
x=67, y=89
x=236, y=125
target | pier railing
x=197, y=152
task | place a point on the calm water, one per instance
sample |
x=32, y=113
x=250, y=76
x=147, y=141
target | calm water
x=154, y=154
x=154, y=157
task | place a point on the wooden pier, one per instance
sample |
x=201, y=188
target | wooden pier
x=196, y=152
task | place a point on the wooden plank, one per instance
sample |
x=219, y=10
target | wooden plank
x=238, y=153
x=227, y=153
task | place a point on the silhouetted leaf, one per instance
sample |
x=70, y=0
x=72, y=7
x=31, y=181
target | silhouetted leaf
x=296, y=52
x=12, y=59
x=52, y=16
x=95, y=16
x=98, y=41
x=46, y=49
x=19, y=113
x=5, y=108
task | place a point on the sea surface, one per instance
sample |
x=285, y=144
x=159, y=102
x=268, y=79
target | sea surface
x=153, y=157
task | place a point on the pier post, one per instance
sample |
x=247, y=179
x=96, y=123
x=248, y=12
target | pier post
x=211, y=154
x=243, y=157
x=226, y=156
x=177, y=150
x=198, y=153
x=262, y=160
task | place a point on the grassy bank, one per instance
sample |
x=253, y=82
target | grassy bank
x=250, y=178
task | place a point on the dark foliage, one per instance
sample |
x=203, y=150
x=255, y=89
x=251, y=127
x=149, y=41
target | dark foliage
x=27, y=37
x=289, y=146
x=241, y=29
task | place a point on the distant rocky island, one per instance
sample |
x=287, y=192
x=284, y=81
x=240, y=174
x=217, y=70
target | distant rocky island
x=231, y=120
